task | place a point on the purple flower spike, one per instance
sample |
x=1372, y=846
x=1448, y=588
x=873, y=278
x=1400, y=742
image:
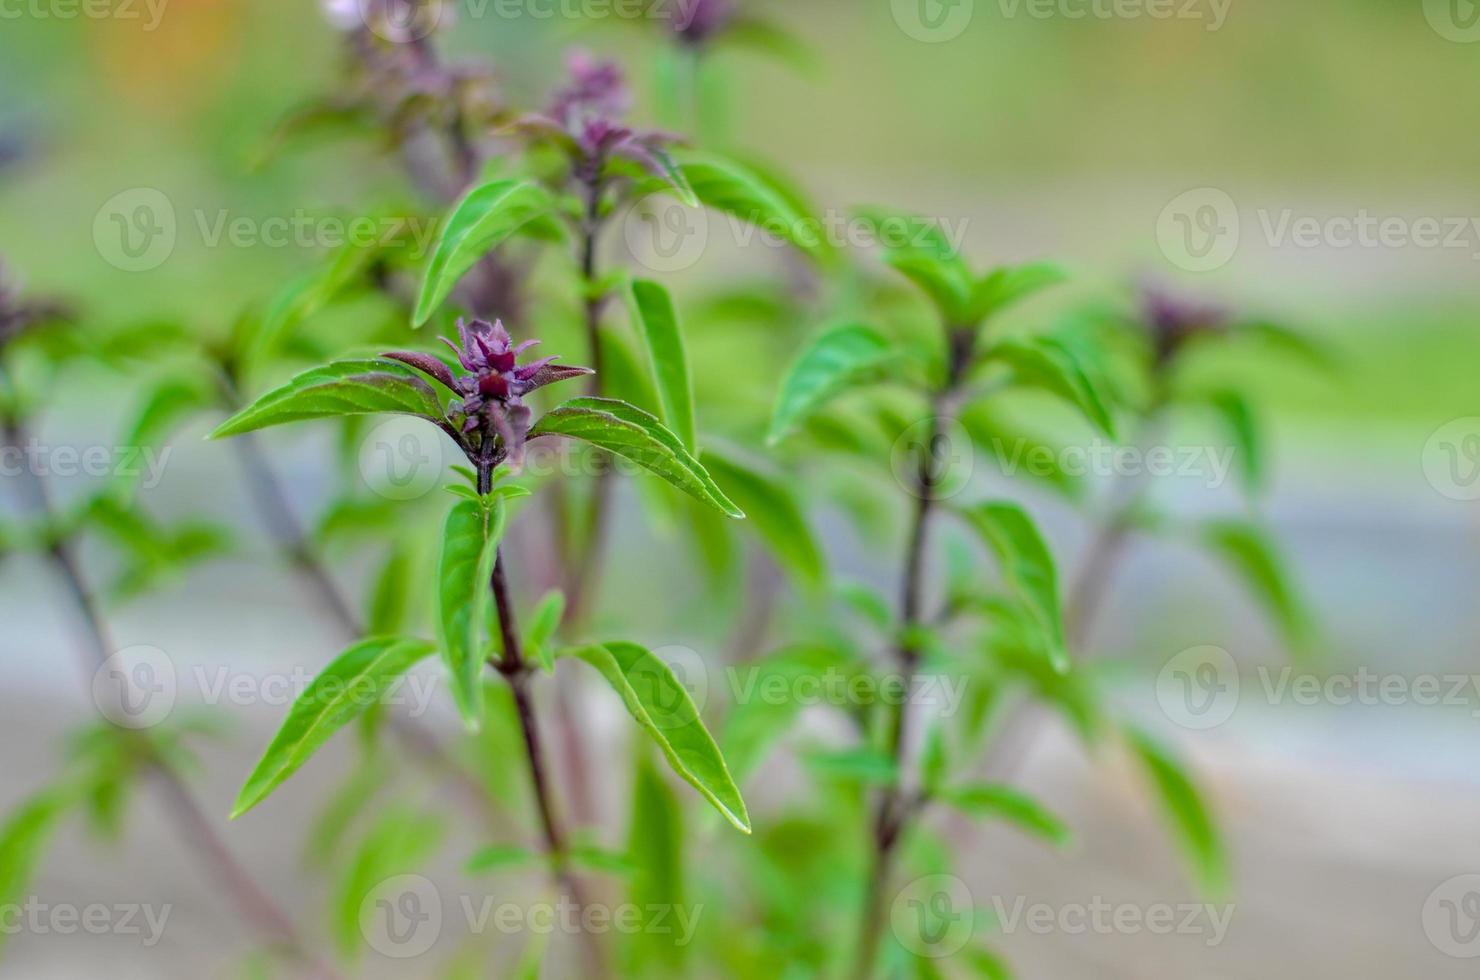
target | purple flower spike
x=696, y=21
x=1173, y=321
x=587, y=117
x=492, y=389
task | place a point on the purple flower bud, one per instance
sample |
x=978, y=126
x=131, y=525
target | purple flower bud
x=587, y=116
x=490, y=392
x=1172, y=321
x=696, y=21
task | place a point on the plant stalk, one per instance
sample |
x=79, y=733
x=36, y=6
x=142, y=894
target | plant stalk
x=517, y=671
x=895, y=809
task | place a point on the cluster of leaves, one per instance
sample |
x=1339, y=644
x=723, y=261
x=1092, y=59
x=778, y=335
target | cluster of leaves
x=865, y=394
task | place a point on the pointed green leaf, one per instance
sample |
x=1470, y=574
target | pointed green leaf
x=470, y=541
x=655, y=840
x=1248, y=552
x=388, y=598
x=1003, y=287
x=22, y=838
x=1190, y=817
x=652, y=310
x=627, y=431
x=543, y=623
x=498, y=857
x=984, y=800
x=479, y=223
x=940, y=280
x=1027, y=565
x=731, y=188
x=342, y=388
x=1047, y=363
x=839, y=359
x=662, y=706
x=1243, y=431
x=355, y=681
x=396, y=845
x=774, y=512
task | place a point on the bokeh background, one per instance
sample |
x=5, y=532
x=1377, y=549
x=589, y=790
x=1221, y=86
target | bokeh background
x=1045, y=135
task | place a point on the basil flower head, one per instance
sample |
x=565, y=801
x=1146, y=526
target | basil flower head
x=696, y=21
x=1172, y=321
x=492, y=385
x=587, y=116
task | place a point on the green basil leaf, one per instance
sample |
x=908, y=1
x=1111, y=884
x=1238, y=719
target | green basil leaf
x=22, y=839
x=940, y=280
x=984, y=800
x=774, y=512
x=661, y=705
x=498, y=857
x=543, y=623
x=399, y=842
x=1191, y=819
x=1243, y=431
x=1003, y=287
x=354, y=682
x=1245, y=549
x=1047, y=363
x=627, y=431
x=479, y=223
x=342, y=388
x=470, y=541
x=652, y=309
x=655, y=843
x=389, y=597
x=841, y=358
x=1027, y=566
x=734, y=189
